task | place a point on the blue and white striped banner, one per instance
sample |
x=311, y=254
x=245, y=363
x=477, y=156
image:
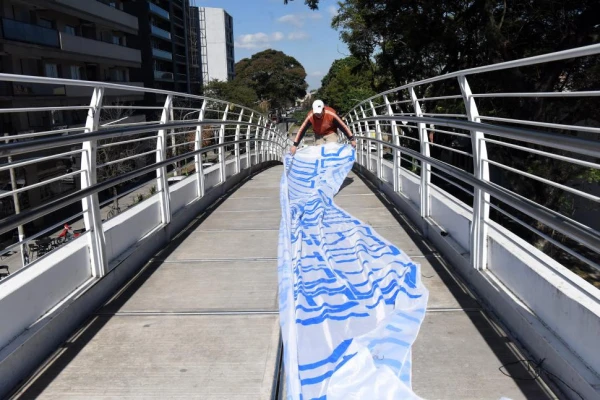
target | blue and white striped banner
x=351, y=304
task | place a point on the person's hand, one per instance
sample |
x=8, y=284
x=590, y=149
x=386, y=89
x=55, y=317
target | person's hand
x=353, y=143
x=293, y=150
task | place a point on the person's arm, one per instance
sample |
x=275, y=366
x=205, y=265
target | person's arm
x=339, y=123
x=301, y=132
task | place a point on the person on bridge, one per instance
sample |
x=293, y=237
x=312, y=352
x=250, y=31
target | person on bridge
x=325, y=123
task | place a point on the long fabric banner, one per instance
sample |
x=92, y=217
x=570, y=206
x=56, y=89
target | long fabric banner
x=351, y=304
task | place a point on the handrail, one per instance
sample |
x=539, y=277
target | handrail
x=376, y=116
x=592, y=49
x=551, y=218
x=107, y=85
x=9, y=149
x=562, y=142
x=10, y=223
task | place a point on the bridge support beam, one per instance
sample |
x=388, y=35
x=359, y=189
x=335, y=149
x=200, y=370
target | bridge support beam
x=198, y=157
x=481, y=199
x=162, y=183
x=425, y=167
x=91, y=205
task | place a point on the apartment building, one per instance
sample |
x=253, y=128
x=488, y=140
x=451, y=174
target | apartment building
x=215, y=43
x=73, y=39
x=163, y=41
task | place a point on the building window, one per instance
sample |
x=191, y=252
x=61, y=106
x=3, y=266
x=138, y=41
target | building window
x=30, y=66
x=75, y=72
x=70, y=30
x=51, y=70
x=46, y=23
x=117, y=75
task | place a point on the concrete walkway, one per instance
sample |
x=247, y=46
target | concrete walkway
x=200, y=321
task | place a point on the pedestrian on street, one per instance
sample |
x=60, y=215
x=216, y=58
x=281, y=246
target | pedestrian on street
x=325, y=123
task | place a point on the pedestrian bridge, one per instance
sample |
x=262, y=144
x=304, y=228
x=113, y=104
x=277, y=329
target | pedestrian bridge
x=173, y=294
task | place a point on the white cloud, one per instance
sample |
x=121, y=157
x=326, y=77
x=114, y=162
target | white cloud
x=258, y=40
x=298, y=20
x=298, y=35
x=316, y=73
x=332, y=11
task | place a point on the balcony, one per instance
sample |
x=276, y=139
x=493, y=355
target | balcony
x=81, y=45
x=103, y=11
x=162, y=54
x=37, y=89
x=84, y=91
x=158, y=11
x=156, y=31
x=163, y=76
x=29, y=33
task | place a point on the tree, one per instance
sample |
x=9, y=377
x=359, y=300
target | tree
x=274, y=76
x=409, y=40
x=232, y=91
x=345, y=84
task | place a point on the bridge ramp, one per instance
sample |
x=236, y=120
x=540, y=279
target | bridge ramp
x=200, y=320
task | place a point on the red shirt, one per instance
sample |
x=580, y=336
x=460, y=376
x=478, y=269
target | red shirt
x=328, y=123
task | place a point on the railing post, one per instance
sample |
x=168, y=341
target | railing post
x=256, y=137
x=222, y=146
x=247, y=144
x=271, y=137
x=91, y=206
x=262, y=138
x=238, y=163
x=368, y=141
x=425, y=167
x=198, y=157
x=396, y=141
x=481, y=199
x=379, y=145
x=360, y=143
x=162, y=182
x=266, y=136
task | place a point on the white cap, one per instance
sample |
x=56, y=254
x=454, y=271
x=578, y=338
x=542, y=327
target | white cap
x=318, y=106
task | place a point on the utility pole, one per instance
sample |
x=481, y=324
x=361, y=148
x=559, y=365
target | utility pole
x=13, y=183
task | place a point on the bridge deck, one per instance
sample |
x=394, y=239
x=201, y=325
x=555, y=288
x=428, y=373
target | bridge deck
x=200, y=320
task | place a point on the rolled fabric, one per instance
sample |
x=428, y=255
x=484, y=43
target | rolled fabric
x=350, y=303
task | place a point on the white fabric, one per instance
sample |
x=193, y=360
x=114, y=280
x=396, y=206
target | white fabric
x=351, y=303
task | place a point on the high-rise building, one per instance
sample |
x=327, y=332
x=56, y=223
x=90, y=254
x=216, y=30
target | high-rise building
x=74, y=39
x=215, y=43
x=87, y=40
x=163, y=40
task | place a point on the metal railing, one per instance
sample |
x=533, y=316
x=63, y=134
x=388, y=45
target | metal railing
x=122, y=150
x=473, y=147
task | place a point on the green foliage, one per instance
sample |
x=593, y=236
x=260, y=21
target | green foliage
x=233, y=91
x=403, y=41
x=274, y=76
x=345, y=84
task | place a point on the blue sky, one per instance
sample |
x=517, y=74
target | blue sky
x=293, y=28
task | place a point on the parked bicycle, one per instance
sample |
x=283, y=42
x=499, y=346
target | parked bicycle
x=68, y=234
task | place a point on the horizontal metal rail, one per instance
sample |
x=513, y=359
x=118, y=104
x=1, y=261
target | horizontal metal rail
x=569, y=227
x=584, y=51
x=9, y=149
x=548, y=139
x=30, y=215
